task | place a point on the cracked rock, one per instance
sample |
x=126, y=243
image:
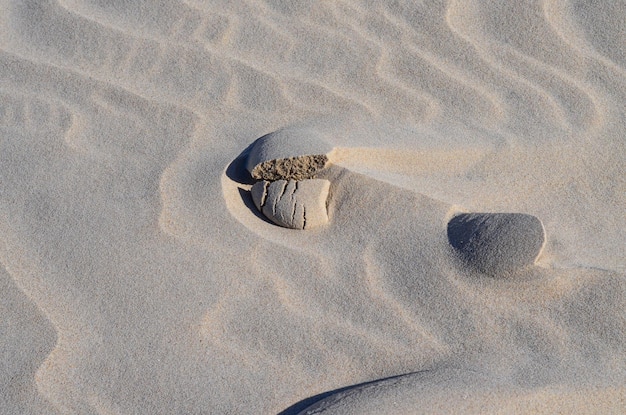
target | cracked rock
x=293, y=204
x=288, y=154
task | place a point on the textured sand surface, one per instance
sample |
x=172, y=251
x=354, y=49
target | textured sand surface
x=287, y=154
x=138, y=276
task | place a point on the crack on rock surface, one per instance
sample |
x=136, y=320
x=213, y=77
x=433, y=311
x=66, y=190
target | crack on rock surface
x=275, y=194
x=287, y=202
x=259, y=194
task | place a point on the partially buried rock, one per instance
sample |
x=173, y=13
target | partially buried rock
x=293, y=204
x=497, y=243
x=288, y=154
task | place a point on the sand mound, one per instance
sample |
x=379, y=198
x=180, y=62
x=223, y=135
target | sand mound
x=453, y=390
x=293, y=204
x=137, y=275
x=497, y=243
x=288, y=154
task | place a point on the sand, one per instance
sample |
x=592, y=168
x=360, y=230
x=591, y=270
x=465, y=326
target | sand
x=138, y=276
x=287, y=154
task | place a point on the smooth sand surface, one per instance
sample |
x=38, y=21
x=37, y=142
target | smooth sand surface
x=137, y=275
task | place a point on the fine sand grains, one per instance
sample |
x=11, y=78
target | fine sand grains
x=139, y=276
x=288, y=154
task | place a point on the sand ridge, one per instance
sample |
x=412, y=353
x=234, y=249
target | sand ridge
x=129, y=234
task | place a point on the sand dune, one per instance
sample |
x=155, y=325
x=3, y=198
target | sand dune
x=472, y=393
x=139, y=276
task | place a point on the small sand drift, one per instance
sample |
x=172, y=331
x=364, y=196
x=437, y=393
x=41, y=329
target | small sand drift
x=293, y=204
x=497, y=243
x=288, y=154
x=458, y=391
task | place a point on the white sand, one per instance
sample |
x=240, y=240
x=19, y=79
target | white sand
x=137, y=276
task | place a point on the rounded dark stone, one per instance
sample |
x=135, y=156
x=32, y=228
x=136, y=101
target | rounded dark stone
x=497, y=243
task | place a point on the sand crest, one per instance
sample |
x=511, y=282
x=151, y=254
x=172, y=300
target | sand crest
x=473, y=393
x=148, y=150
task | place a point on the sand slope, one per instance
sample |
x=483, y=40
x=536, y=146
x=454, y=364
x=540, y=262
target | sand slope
x=138, y=276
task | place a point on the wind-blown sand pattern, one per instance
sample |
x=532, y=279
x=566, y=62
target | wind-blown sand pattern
x=138, y=276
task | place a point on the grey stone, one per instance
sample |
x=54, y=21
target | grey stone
x=497, y=243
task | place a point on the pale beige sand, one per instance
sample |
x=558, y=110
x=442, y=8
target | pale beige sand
x=287, y=154
x=138, y=276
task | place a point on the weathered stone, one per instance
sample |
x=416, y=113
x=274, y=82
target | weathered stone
x=288, y=154
x=293, y=204
x=497, y=243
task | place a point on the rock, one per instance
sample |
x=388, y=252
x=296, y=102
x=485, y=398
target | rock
x=288, y=154
x=293, y=204
x=497, y=243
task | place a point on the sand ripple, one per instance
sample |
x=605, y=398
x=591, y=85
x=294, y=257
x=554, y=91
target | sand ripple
x=129, y=235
